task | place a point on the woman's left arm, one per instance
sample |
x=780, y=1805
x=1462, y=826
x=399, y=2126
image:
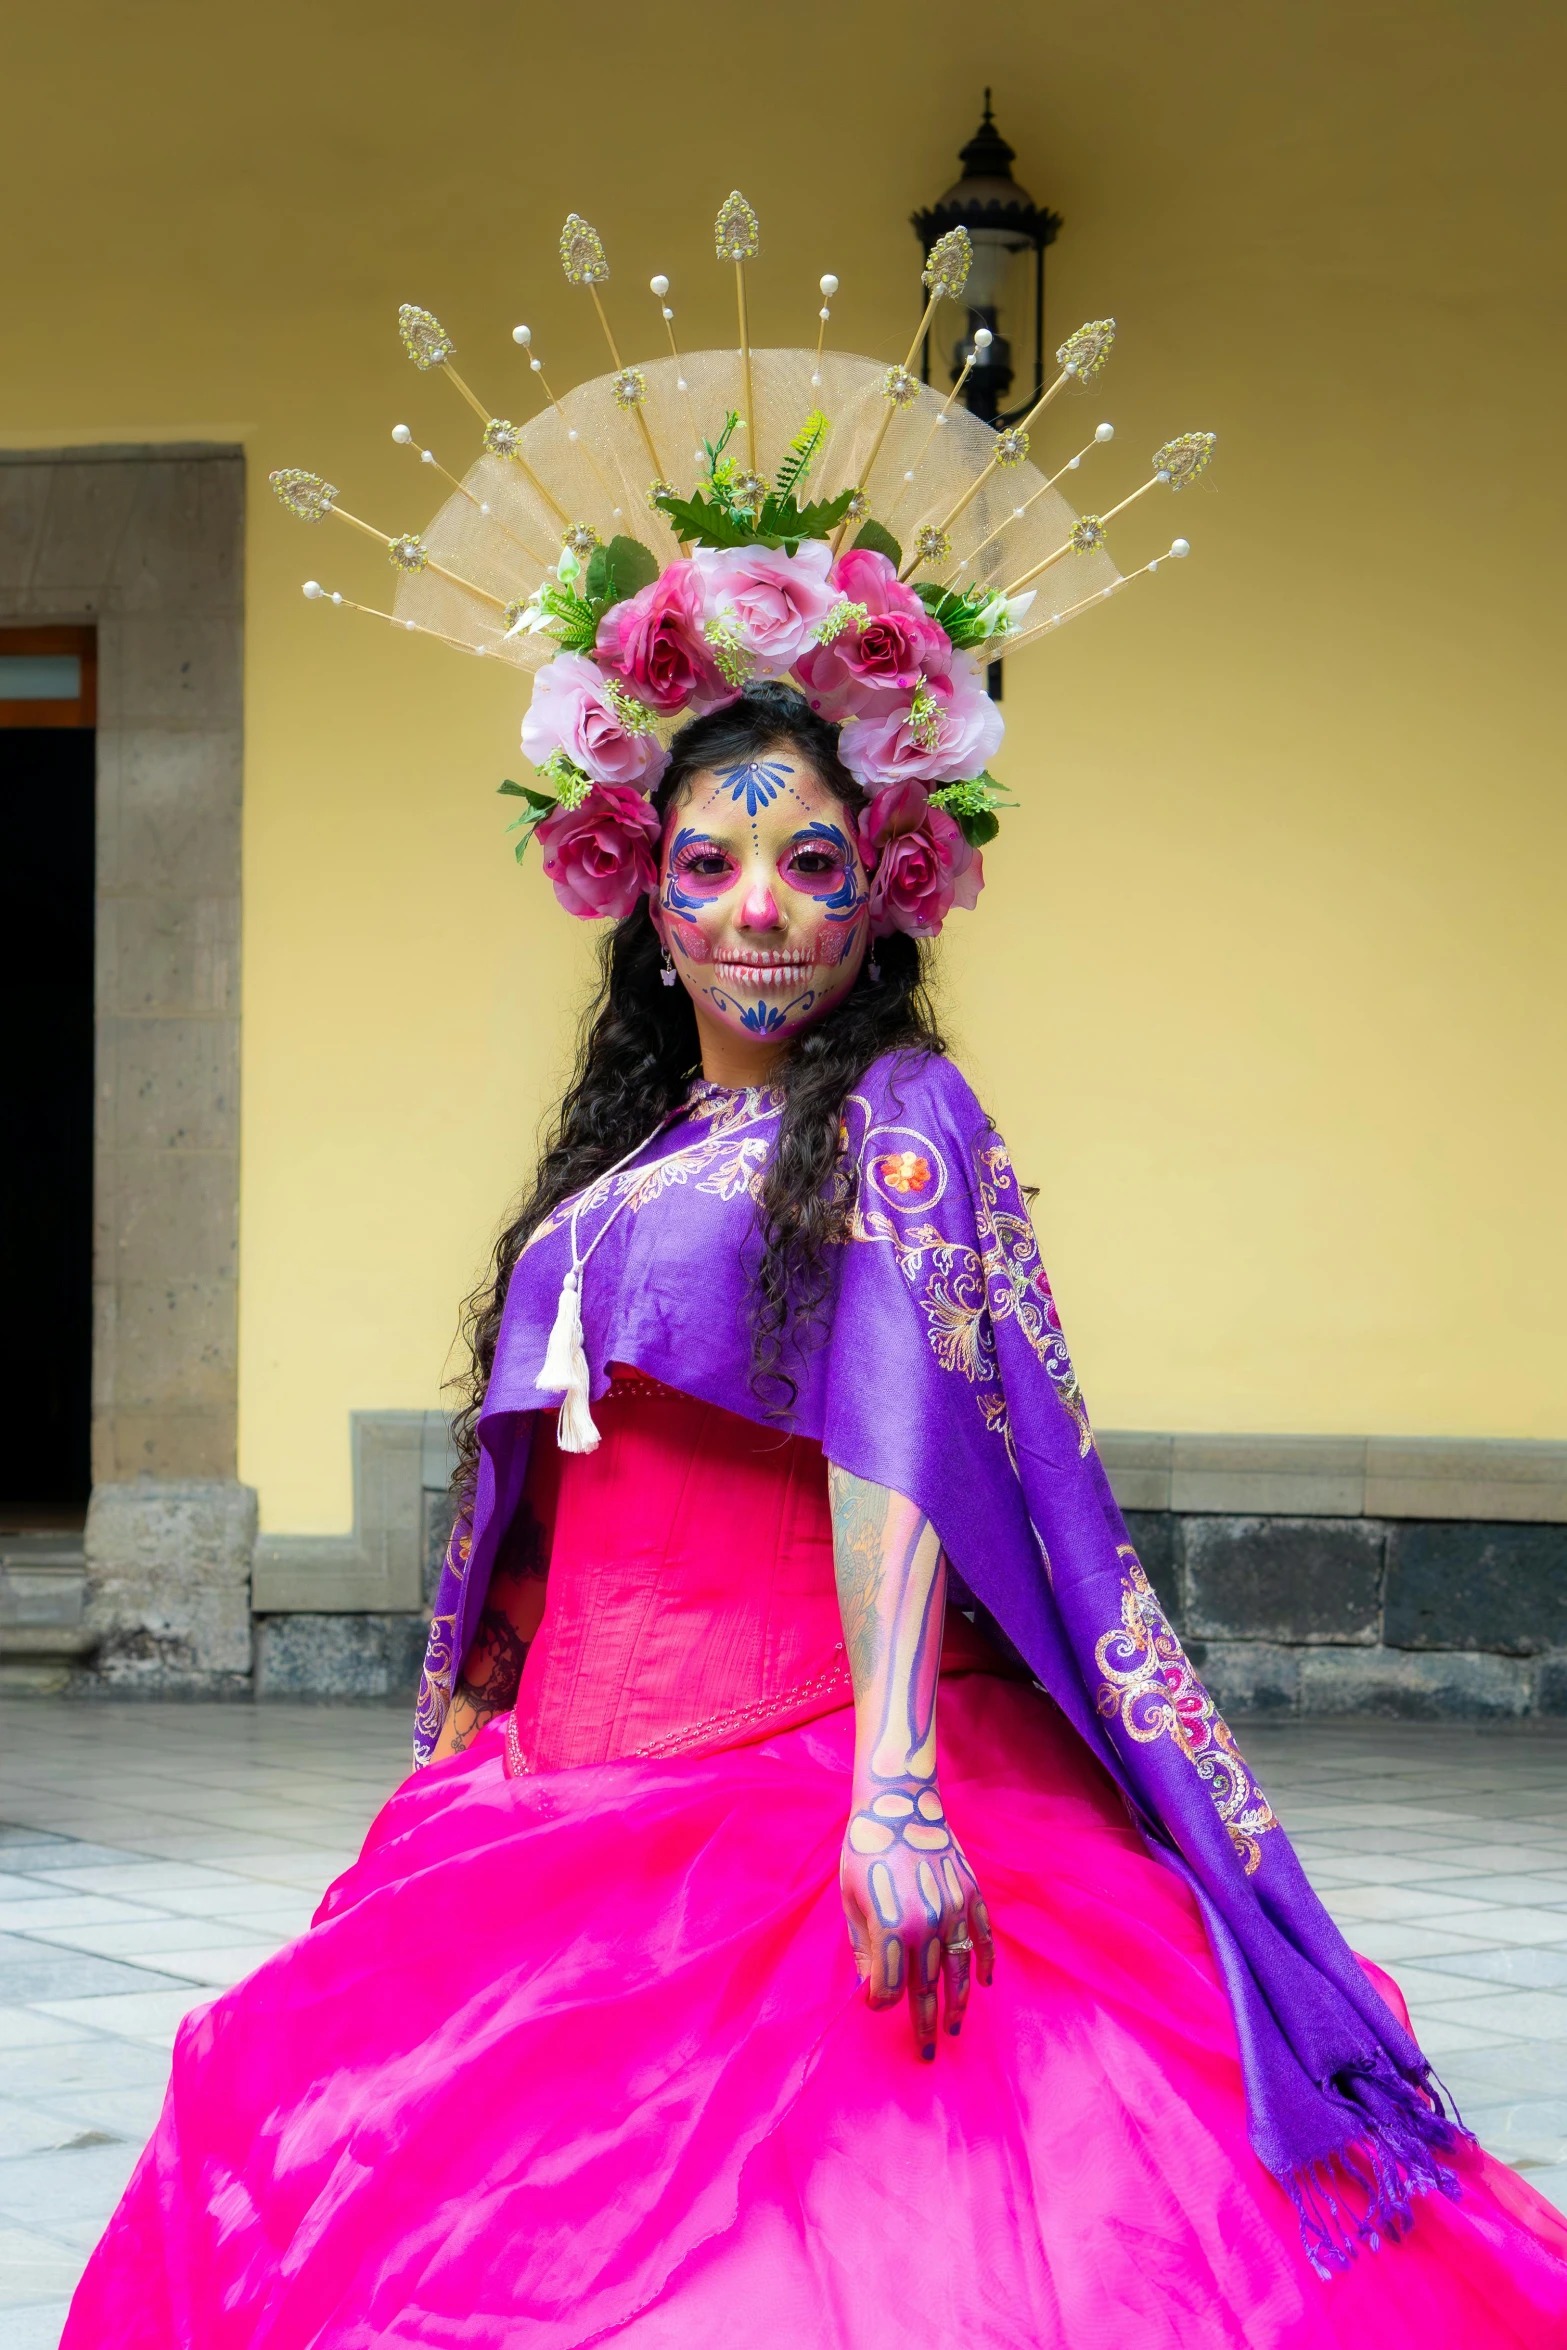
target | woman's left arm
x=914, y=1910
x=513, y=1610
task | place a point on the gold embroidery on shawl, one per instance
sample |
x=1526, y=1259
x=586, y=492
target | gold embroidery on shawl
x=1017, y=1284
x=1151, y=1689
x=963, y=1292
x=715, y=1160
x=435, y=1682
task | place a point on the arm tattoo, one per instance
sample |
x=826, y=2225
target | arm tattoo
x=492, y=1670
x=859, y=1517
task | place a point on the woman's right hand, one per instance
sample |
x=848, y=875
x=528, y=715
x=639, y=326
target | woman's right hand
x=916, y=1916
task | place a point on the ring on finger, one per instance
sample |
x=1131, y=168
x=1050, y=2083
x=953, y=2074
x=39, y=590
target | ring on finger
x=955, y=1949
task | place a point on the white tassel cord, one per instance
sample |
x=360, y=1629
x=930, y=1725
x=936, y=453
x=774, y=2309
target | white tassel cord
x=564, y=1370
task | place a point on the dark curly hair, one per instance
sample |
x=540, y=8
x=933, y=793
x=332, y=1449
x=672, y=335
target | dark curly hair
x=638, y=1052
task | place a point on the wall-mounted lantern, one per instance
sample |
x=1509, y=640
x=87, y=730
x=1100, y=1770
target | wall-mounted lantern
x=1003, y=221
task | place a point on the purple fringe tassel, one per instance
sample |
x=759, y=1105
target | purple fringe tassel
x=1365, y=2191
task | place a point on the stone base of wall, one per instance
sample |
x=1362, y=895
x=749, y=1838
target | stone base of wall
x=1423, y=1619
x=1250, y=1677
x=167, y=1566
x=368, y=1657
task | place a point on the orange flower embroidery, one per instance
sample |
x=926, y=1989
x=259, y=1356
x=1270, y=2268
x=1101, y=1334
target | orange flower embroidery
x=904, y=1171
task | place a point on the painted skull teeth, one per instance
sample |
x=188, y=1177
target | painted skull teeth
x=775, y=971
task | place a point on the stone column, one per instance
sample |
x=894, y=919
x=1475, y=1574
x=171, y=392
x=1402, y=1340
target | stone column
x=148, y=543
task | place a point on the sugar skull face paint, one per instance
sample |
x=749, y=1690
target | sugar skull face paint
x=762, y=898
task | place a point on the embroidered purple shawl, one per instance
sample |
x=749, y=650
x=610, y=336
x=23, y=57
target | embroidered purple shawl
x=942, y=1372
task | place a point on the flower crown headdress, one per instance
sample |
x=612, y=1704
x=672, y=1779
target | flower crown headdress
x=665, y=535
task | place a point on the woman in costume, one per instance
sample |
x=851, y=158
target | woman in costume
x=788, y=1593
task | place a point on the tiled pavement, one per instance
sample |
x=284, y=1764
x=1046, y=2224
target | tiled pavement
x=156, y=1851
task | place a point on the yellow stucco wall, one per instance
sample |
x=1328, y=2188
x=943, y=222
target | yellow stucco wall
x=1267, y=986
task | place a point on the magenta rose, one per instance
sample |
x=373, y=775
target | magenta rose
x=923, y=866
x=897, y=644
x=653, y=643
x=599, y=856
x=771, y=600
x=572, y=711
x=880, y=747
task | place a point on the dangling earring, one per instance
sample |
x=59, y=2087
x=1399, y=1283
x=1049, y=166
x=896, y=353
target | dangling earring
x=667, y=969
x=874, y=970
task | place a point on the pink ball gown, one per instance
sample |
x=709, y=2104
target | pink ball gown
x=575, y=2052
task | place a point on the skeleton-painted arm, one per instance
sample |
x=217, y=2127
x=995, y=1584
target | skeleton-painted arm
x=914, y=1910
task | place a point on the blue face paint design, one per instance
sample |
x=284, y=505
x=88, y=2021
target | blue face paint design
x=760, y=1018
x=757, y=783
x=689, y=897
x=842, y=903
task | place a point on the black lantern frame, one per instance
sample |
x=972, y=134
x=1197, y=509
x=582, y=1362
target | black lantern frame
x=987, y=197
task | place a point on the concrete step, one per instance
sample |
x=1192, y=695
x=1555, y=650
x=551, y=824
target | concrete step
x=43, y=1600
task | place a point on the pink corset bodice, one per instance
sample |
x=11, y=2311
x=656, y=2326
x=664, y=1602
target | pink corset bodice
x=690, y=1603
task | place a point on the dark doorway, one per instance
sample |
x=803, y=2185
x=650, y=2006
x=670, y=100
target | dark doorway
x=47, y=875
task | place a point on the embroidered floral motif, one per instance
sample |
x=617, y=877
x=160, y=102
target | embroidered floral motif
x=713, y=1159
x=904, y=1171
x=1016, y=1280
x=1151, y=1689
x=902, y=1166
x=435, y=1683
x=993, y=1411
x=438, y=1673
x=964, y=1292
x=726, y=1169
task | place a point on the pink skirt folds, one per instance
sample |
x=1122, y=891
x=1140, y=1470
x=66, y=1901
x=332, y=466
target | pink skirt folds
x=577, y=2055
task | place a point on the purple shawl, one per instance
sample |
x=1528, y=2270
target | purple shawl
x=941, y=1371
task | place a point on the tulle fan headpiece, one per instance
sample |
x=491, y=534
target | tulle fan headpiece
x=658, y=539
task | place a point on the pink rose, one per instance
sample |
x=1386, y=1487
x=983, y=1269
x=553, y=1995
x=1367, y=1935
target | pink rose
x=879, y=748
x=771, y=599
x=572, y=712
x=923, y=866
x=653, y=643
x=599, y=856
x=898, y=643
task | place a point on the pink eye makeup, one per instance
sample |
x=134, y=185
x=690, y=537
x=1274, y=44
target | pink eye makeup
x=820, y=863
x=700, y=869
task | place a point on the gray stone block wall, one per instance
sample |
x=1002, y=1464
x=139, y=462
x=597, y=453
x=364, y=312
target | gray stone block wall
x=1418, y=1619
x=337, y=1657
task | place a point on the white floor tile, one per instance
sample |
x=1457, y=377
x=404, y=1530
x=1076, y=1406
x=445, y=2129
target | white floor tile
x=29, y=2027
x=139, y=2015
x=150, y=1937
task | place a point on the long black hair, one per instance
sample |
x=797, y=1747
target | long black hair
x=638, y=1051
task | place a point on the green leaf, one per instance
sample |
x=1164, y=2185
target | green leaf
x=957, y=610
x=576, y=621
x=815, y=521
x=515, y=791
x=979, y=827
x=804, y=450
x=619, y=570
x=632, y=565
x=878, y=541
x=704, y=524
